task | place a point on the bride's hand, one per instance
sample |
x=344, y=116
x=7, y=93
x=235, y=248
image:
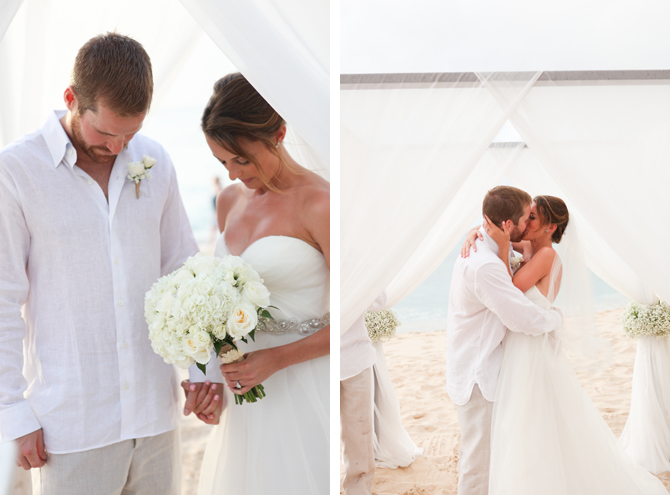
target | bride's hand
x=499, y=236
x=470, y=239
x=257, y=367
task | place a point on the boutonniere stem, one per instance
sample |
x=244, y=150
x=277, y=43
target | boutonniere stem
x=139, y=171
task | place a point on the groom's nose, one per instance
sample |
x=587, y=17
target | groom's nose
x=115, y=145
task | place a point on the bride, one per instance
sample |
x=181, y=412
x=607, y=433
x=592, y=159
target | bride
x=547, y=435
x=278, y=220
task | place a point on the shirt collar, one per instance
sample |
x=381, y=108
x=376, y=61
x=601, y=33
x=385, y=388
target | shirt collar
x=58, y=142
x=489, y=242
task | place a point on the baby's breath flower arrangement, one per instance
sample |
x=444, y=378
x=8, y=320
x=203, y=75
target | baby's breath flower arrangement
x=381, y=325
x=639, y=320
x=208, y=303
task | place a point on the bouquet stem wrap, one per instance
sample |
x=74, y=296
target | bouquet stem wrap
x=230, y=354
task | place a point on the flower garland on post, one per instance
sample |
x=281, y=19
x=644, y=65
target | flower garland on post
x=640, y=320
x=381, y=325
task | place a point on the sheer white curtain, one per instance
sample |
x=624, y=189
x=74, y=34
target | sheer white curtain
x=282, y=48
x=607, y=145
x=39, y=48
x=457, y=218
x=407, y=147
x=8, y=9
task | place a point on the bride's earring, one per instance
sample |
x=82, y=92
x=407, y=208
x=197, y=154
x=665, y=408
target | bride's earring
x=278, y=143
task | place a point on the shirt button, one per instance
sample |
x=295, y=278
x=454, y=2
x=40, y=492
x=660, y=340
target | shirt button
x=120, y=303
x=70, y=151
x=125, y=387
x=124, y=346
x=116, y=261
x=90, y=181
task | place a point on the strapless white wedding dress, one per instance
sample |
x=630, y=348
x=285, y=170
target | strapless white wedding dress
x=547, y=435
x=280, y=444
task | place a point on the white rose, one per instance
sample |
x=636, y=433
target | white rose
x=242, y=321
x=191, y=349
x=257, y=293
x=148, y=161
x=202, y=339
x=136, y=168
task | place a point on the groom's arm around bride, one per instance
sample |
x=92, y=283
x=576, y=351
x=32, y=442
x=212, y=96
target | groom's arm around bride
x=483, y=305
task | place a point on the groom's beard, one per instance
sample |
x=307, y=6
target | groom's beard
x=98, y=154
x=516, y=235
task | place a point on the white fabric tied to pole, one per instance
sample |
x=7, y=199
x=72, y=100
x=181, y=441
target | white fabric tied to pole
x=393, y=446
x=646, y=436
x=282, y=48
x=405, y=153
x=7, y=467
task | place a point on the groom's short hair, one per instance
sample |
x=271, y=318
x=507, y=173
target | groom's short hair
x=115, y=70
x=505, y=203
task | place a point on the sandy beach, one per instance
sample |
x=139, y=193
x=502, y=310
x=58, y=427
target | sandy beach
x=430, y=416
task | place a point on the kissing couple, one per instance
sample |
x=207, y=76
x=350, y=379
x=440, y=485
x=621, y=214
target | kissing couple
x=527, y=426
x=85, y=232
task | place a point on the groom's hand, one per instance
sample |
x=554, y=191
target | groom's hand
x=205, y=400
x=32, y=453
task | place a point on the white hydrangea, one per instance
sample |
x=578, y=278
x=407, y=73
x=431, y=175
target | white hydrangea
x=381, y=325
x=639, y=320
x=207, y=300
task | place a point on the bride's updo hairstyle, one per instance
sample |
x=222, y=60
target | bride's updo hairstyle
x=553, y=210
x=236, y=110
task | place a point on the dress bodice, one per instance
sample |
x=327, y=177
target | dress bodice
x=538, y=298
x=295, y=273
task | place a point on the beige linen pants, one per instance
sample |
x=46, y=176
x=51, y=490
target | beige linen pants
x=474, y=418
x=356, y=420
x=144, y=466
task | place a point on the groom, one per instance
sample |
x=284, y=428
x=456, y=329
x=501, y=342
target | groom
x=93, y=409
x=483, y=305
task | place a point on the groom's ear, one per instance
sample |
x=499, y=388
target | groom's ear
x=70, y=99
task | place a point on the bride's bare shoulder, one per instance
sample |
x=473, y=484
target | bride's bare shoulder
x=315, y=192
x=226, y=200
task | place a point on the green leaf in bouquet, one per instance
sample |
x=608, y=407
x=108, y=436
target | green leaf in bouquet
x=266, y=314
x=202, y=368
x=252, y=333
x=218, y=344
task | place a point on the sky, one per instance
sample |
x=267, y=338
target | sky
x=387, y=36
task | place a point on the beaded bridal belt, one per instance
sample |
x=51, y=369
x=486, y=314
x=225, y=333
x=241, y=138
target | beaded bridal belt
x=293, y=325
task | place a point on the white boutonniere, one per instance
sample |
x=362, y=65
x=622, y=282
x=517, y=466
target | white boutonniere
x=138, y=171
x=515, y=262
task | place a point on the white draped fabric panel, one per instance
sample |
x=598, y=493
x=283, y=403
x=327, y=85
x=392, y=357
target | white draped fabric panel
x=282, y=48
x=457, y=218
x=405, y=153
x=39, y=48
x=8, y=9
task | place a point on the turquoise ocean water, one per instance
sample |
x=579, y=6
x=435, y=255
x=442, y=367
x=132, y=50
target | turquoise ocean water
x=425, y=309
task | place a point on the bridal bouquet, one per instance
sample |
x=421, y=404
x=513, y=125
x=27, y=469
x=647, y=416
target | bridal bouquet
x=381, y=325
x=640, y=320
x=208, y=303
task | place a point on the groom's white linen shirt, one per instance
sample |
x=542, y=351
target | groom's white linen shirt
x=356, y=350
x=483, y=304
x=82, y=266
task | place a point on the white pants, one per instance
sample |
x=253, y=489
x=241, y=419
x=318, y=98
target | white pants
x=356, y=419
x=474, y=418
x=144, y=466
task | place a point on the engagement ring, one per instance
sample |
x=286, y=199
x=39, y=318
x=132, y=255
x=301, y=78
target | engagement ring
x=238, y=385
